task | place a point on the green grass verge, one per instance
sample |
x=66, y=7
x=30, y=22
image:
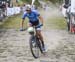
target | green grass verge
x=13, y=22
x=56, y=23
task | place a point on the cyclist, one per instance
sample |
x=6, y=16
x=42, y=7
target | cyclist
x=34, y=20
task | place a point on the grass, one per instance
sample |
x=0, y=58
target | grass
x=56, y=23
x=13, y=22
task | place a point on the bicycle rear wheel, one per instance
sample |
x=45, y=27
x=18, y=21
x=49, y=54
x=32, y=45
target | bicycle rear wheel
x=34, y=47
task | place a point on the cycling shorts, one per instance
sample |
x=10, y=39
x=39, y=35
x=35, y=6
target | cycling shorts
x=35, y=23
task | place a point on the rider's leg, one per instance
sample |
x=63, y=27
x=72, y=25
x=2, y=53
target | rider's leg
x=39, y=34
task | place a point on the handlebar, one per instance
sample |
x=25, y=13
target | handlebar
x=39, y=25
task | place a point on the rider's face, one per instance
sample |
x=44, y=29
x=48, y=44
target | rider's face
x=28, y=11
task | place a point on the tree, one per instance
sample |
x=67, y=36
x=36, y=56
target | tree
x=29, y=1
x=37, y=1
x=54, y=1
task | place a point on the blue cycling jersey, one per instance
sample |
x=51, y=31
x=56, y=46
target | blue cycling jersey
x=33, y=16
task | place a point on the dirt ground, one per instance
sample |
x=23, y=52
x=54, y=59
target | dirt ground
x=14, y=45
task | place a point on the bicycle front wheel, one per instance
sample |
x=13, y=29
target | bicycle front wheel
x=34, y=47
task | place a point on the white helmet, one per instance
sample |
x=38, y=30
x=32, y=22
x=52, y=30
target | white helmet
x=28, y=7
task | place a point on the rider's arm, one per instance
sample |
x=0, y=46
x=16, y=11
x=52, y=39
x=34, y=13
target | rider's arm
x=39, y=16
x=23, y=18
x=22, y=24
x=41, y=19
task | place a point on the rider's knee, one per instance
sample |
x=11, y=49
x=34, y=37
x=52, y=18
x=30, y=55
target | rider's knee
x=38, y=32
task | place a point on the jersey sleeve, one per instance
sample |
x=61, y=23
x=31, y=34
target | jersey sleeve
x=24, y=15
x=36, y=12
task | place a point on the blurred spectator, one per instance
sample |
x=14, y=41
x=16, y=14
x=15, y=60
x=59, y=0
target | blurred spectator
x=33, y=7
x=4, y=8
x=24, y=8
x=0, y=4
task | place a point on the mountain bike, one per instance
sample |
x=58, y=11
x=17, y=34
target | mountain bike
x=35, y=43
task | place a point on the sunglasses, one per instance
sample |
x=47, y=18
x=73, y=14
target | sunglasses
x=27, y=10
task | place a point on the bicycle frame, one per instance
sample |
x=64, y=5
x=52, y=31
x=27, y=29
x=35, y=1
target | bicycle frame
x=33, y=32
